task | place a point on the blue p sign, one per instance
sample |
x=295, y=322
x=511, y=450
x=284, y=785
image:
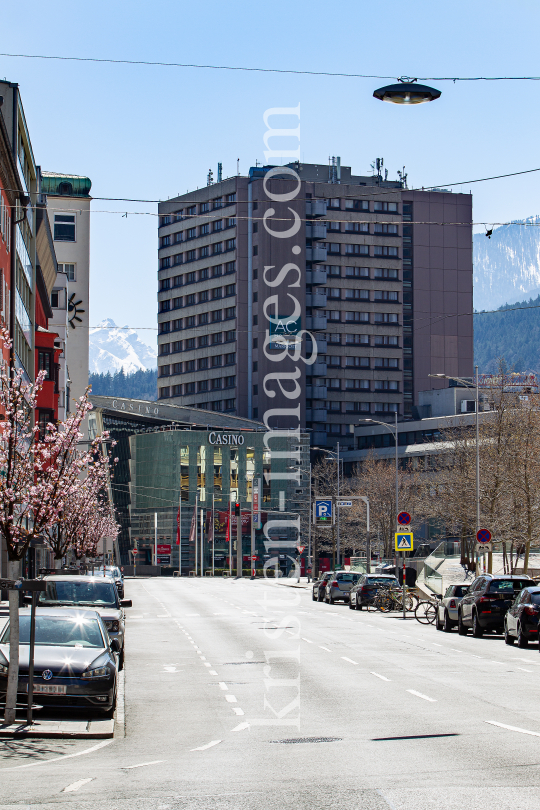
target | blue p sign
x=323, y=511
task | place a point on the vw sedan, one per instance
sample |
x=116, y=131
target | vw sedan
x=74, y=660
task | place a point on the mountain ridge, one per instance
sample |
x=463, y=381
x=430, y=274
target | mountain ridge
x=113, y=347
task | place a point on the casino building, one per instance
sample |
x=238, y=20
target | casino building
x=183, y=467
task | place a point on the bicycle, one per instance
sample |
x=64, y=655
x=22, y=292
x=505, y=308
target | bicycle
x=389, y=599
x=426, y=611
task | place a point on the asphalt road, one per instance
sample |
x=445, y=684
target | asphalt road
x=249, y=695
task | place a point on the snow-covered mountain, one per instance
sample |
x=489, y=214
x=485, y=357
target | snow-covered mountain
x=507, y=266
x=113, y=348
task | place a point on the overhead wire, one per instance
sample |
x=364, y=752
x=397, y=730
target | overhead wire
x=241, y=68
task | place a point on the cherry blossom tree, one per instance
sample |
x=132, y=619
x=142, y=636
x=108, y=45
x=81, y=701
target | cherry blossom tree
x=39, y=474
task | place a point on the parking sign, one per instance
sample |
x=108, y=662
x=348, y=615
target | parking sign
x=322, y=512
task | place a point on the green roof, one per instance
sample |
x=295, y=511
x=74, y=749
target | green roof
x=65, y=185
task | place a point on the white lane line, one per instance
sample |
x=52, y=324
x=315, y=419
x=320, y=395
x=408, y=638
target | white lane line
x=134, y=617
x=420, y=695
x=324, y=648
x=380, y=676
x=513, y=728
x=142, y=765
x=76, y=785
x=241, y=727
x=192, y=614
x=57, y=759
x=349, y=660
x=206, y=664
x=435, y=644
x=528, y=661
x=212, y=672
x=208, y=745
x=454, y=650
x=231, y=698
x=308, y=640
x=223, y=686
x=164, y=616
x=522, y=669
x=237, y=710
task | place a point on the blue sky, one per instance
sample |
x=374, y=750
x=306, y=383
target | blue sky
x=151, y=132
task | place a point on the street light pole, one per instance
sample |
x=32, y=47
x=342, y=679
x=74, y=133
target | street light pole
x=338, y=546
x=477, y=430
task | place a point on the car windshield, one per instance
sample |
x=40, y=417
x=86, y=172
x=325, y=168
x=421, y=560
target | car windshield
x=59, y=632
x=508, y=586
x=80, y=592
x=348, y=577
x=381, y=580
x=461, y=590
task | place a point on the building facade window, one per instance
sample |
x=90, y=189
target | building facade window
x=64, y=228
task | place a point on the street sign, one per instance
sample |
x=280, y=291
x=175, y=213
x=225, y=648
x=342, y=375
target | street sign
x=134, y=551
x=344, y=503
x=300, y=549
x=404, y=541
x=322, y=512
x=483, y=536
x=254, y=556
x=403, y=518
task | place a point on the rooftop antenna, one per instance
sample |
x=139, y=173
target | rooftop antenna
x=238, y=166
x=338, y=169
x=219, y=172
x=210, y=178
x=385, y=175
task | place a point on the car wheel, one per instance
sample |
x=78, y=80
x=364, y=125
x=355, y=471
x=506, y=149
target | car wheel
x=438, y=625
x=313, y=597
x=462, y=630
x=448, y=624
x=351, y=606
x=508, y=639
x=121, y=660
x=358, y=605
x=522, y=640
x=330, y=600
x=477, y=631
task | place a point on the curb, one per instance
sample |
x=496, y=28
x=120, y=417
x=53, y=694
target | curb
x=120, y=714
x=95, y=730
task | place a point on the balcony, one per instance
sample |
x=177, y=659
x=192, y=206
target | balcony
x=321, y=345
x=316, y=276
x=318, y=438
x=317, y=299
x=316, y=208
x=316, y=391
x=316, y=254
x=316, y=414
x=316, y=231
x=316, y=322
x=318, y=369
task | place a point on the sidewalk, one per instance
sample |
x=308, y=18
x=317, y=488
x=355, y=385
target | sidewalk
x=292, y=582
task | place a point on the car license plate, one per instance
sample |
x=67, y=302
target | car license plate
x=48, y=689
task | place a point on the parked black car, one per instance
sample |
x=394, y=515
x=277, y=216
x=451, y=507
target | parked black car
x=319, y=587
x=366, y=588
x=489, y=597
x=521, y=620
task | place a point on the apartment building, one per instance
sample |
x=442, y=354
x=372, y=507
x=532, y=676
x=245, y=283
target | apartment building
x=386, y=291
x=68, y=207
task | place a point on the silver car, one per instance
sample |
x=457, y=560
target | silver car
x=447, y=611
x=339, y=585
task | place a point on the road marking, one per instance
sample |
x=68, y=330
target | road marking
x=380, y=676
x=524, y=670
x=202, y=657
x=163, y=615
x=76, y=785
x=206, y=664
x=212, y=672
x=324, y=648
x=528, y=661
x=192, y=614
x=454, y=650
x=208, y=745
x=424, y=697
x=56, y=759
x=237, y=710
x=513, y=728
x=241, y=727
x=142, y=765
x=435, y=644
x=223, y=686
x=349, y=660
x=134, y=617
x=308, y=641
x=230, y=698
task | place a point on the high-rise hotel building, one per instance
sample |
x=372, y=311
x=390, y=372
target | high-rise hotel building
x=386, y=290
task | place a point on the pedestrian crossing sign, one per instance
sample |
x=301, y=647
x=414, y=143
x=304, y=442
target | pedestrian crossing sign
x=404, y=541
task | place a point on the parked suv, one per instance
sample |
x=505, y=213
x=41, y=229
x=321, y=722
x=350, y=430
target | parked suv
x=485, y=605
x=366, y=589
x=339, y=585
x=319, y=587
x=521, y=621
x=447, y=610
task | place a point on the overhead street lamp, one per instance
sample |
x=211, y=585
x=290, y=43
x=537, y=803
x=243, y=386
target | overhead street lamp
x=394, y=431
x=407, y=91
x=467, y=384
